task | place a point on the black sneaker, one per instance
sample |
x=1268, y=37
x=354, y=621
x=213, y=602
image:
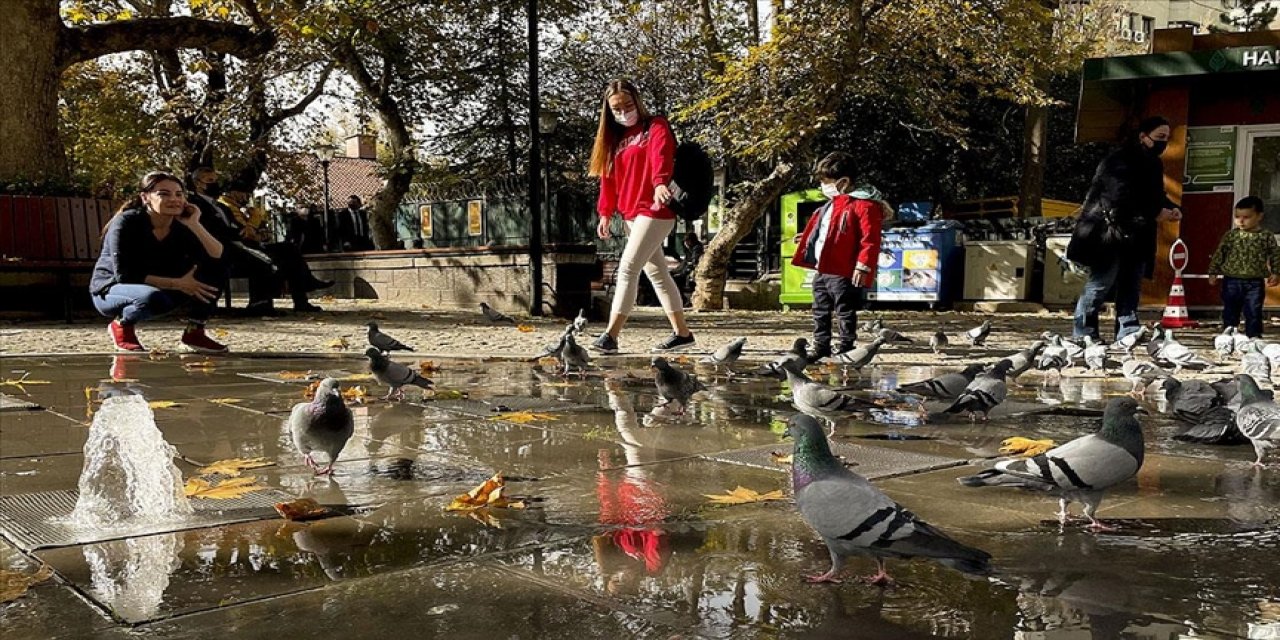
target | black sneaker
x=605, y=344
x=819, y=353
x=674, y=342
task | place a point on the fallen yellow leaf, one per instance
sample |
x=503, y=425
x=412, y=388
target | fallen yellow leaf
x=488, y=494
x=525, y=328
x=327, y=298
x=158, y=354
x=682, y=359
x=524, y=417
x=204, y=365
x=302, y=509
x=293, y=375
x=357, y=377
x=1025, y=447
x=231, y=488
x=355, y=393
x=20, y=382
x=14, y=584
x=233, y=466
x=226, y=400
x=163, y=404
x=447, y=394
x=339, y=343
x=220, y=333
x=780, y=458
x=743, y=495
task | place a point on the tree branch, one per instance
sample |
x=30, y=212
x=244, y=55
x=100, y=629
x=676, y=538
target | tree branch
x=302, y=104
x=80, y=44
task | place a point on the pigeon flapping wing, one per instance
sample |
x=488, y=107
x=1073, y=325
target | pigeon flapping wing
x=728, y=354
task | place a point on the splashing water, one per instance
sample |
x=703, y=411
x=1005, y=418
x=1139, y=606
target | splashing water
x=128, y=469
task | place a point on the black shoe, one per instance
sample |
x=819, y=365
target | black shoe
x=605, y=344
x=819, y=353
x=305, y=306
x=261, y=308
x=674, y=342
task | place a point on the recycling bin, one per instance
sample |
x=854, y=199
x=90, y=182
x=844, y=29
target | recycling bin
x=998, y=269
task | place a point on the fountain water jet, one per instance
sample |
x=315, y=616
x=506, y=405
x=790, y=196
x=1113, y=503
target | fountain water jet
x=128, y=475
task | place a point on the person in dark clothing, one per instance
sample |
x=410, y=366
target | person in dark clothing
x=353, y=227
x=157, y=256
x=1128, y=192
x=693, y=250
x=304, y=229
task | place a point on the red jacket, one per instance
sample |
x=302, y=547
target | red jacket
x=853, y=237
x=643, y=160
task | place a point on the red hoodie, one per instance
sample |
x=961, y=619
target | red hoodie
x=853, y=236
x=643, y=160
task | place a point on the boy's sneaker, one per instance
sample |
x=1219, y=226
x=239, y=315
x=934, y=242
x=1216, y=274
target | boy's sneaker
x=819, y=353
x=124, y=337
x=674, y=342
x=196, y=340
x=605, y=344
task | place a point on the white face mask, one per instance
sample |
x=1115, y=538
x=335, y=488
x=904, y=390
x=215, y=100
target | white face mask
x=829, y=189
x=626, y=118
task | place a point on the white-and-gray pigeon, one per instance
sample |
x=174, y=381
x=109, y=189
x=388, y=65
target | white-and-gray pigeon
x=580, y=322
x=978, y=335
x=1224, y=344
x=937, y=341
x=1258, y=418
x=1158, y=336
x=1095, y=355
x=1082, y=469
x=1253, y=363
x=1128, y=342
x=383, y=342
x=393, y=374
x=859, y=357
x=1055, y=356
x=495, y=316
x=574, y=356
x=855, y=519
x=797, y=358
x=947, y=386
x=1024, y=360
x=823, y=402
x=728, y=354
x=1177, y=355
x=871, y=326
x=890, y=336
x=324, y=424
x=1141, y=373
x=985, y=392
x=673, y=384
x=552, y=349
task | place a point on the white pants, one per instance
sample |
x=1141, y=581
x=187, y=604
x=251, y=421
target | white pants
x=645, y=237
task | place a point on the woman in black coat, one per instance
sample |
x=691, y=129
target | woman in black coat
x=1127, y=195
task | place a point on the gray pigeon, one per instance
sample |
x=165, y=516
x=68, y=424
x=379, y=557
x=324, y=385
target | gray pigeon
x=580, y=322
x=859, y=357
x=937, y=341
x=495, y=316
x=1127, y=343
x=947, y=386
x=383, y=342
x=1158, y=336
x=856, y=519
x=978, y=335
x=1095, y=355
x=393, y=374
x=984, y=393
x=1174, y=354
x=324, y=424
x=890, y=336
x=1140, y=373
x=1272, y=351
x=820, y=401
x=673, y=384
x=1253, y=363
x=1240, y=339
x=1055, y=357
x=1190, y=400
x=1022, y=361
x=728, y=354
x=574, y=356
x=552, y=349
x=1082, y=469
x=1258, y=418
x=1224, y=344
x=872, y=326
x=797, y=358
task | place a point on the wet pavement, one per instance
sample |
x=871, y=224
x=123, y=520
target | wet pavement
x=619, y=539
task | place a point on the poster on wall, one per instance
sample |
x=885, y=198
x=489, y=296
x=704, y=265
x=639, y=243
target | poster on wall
x=424, y=214
x=907, y=270
x=475, y=217
x=1211, y=160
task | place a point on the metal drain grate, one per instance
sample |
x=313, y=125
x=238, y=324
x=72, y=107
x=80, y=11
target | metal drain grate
x=503, y=404
x=34, y=520
x=872, y=462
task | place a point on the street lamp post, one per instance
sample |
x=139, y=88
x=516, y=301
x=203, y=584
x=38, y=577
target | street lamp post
x=325, y=153
x=547, y=121
x=535, y=166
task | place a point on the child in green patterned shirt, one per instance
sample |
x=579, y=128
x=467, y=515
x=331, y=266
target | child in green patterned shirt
x=1247, y=260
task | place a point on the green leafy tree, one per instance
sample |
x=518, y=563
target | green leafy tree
x=1247, y=15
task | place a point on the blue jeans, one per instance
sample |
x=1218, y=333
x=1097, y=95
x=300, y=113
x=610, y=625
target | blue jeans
x=1243, y=294
x=1125, y=278
x=134, y=303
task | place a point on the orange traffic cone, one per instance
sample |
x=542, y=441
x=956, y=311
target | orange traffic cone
x=1175, y=311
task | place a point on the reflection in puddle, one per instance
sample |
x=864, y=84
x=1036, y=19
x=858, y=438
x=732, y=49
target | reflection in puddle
x=130, y=576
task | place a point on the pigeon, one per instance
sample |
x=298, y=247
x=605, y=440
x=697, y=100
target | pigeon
x=872, y=326
x=580, y=322
x=1217, y=427
x=1175, y=354
x=1258, y=418
x=978, y=335
x=1128, y=342
x=552, y=349
x=1140, y=373
x=1022, y=361
x=1095, y=355
x=797, y=357
x=495, y=316
x=324, y=424
x=393, y=374
x=1272, y=351
x=1055, y=356
x=1158, y=336
x=1240, y=339
x=937, y=341
x=984, y=393
x=890, y=336
x=728, y=354
x=673, y=384
x=820, y=401
x=947, y=386
x=859, y=357
x=574, y=356
x=383, y=342
x=1253, y=363
x=1190, y=400
x=1224, y=344
x=1082, y=469
x=854, y=518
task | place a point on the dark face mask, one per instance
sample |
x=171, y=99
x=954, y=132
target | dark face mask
x=213, y=189
x=1158, y=146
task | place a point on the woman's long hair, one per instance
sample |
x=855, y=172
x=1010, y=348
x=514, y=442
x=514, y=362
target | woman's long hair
x=609, y=131
x=147, y=184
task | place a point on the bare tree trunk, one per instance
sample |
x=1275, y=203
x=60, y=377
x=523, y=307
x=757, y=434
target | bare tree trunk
x=30, y=150
x=713, y=269
x=1035, y=133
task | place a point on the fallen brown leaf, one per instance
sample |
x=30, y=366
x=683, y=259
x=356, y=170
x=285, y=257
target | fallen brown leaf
x=293, y=375
x=427, y=367
x=327, y=298
x=526, y=328
x=302, y=509
x=488, y=494
x=14, y=584
x=1025, y=447
x=743, y=495
x=203, y=365
x=339, y=343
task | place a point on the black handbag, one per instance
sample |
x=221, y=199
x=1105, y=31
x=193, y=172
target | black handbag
x=1097, y=239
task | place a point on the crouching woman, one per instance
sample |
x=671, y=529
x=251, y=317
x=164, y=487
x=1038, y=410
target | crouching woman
x=157, y=258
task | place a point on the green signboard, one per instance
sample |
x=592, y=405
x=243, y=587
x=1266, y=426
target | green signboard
x=1183, y=63
x=1211, y=159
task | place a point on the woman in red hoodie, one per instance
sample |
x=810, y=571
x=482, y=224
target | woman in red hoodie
x=633, y=155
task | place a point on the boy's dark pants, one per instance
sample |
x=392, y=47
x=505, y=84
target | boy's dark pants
x=838, y=294
x=1243, y=294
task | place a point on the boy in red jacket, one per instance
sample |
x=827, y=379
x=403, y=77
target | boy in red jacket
x=842, y=243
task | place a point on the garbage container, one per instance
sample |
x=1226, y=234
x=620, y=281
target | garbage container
x=797, y=208
x=1063, y=280
x=998, y=269
x=914, y=263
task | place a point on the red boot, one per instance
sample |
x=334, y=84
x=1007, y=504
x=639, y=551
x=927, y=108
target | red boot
x=124, y=337
x=195, y=339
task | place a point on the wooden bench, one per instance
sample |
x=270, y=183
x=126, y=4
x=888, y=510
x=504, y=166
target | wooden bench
x=59, y=236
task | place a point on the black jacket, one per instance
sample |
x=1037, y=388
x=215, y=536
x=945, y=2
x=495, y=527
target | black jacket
x=131, y=252
x=1129, y=184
